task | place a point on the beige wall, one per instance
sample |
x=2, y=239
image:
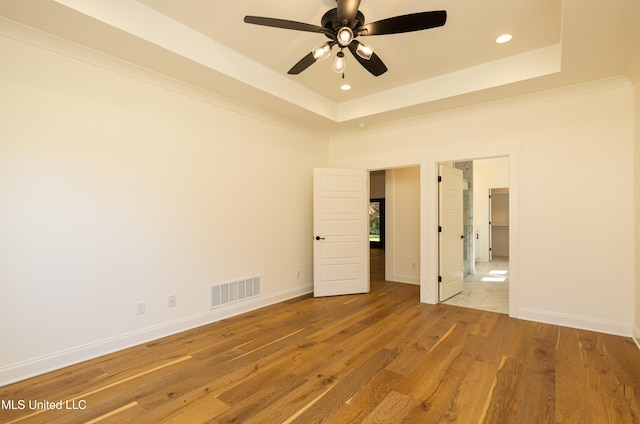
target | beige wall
x=573, y=198
x=117, y=188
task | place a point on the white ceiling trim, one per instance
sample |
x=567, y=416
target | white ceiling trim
x=148, y=24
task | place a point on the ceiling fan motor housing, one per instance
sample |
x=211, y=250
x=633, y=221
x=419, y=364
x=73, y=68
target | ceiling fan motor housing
x=331, y=22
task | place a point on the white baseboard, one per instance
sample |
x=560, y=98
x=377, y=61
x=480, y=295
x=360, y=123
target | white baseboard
x=636, y=335
x=405, y=278
x=23, y=370
x=576, y=321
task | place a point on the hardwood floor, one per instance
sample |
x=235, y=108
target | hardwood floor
x=380, y=357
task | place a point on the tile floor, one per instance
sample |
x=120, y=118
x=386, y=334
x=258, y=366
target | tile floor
x=487, y=289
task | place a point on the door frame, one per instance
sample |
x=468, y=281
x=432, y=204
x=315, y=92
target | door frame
x=429, y=211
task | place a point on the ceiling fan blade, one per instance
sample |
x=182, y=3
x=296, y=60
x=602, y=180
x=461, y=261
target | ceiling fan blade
x=404, y=23
x=347, y=9
x=285, y=24
x=374, y=65
x=302, y=64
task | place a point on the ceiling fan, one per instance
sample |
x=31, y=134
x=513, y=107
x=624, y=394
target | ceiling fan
x=342, y=25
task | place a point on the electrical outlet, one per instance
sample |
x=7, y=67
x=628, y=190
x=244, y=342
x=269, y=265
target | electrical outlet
x=172, y=300
x=140, y=307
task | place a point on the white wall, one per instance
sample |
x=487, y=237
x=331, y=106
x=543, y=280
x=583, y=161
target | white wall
x=118, y=187
x=403, y=225
x=487, y=174
x=573, y=195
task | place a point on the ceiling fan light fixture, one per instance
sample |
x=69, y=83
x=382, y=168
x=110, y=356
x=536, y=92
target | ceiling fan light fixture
x=343, y=25
x=321, y=52
x=344, y=36
x=364, y=51
x=339, y=63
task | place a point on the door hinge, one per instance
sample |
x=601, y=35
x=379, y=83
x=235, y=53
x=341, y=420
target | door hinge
x=439, y=278
x=439, y=229
x=439, y=178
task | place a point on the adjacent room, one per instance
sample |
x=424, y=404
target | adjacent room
x=185, y=200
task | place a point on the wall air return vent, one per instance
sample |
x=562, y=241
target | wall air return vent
x=222, y=294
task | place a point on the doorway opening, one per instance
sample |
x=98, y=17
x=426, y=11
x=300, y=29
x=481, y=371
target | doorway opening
x=422, y=261
x=486, y=234
x=398, y=255
x=377, y=225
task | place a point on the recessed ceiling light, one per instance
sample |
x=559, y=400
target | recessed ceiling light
x=345, y=87
x=504, y=38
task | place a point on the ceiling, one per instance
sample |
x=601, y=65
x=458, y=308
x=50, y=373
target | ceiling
x=206, y=43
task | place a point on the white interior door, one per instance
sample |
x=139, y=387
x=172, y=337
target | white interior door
x=451, y=234
x=341, y=231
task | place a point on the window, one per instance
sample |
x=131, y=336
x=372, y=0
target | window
x=376, y=223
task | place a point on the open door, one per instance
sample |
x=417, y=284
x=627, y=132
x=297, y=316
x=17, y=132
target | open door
x=451, y=232
x=341, y=231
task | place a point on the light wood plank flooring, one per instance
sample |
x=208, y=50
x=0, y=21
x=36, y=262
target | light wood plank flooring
x=380, y=357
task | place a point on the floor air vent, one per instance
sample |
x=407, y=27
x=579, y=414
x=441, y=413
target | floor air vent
x=233, y=291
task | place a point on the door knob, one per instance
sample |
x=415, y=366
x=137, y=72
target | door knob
x=319, y=238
